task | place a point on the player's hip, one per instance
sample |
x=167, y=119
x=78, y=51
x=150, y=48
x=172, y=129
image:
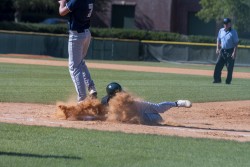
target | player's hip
x=74, y=35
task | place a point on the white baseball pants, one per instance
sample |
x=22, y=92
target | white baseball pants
x=150, y=111
x=78, y=45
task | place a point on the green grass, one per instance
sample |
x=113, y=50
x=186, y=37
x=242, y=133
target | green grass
x=170, y=65
x=150, y=64
x=47, y=84
x=30, y=83
x=43, y=146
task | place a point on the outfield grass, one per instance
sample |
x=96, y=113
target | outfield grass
x=149, y=63
x=171, y=65
x=47, y=84
x=42, y=146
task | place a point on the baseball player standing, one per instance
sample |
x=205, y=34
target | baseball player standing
x=79, y=39
x=227, y=43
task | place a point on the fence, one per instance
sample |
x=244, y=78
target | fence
x=190, y=52
x=116, y=49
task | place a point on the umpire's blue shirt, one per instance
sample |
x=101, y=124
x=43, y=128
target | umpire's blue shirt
x=80, y=13
x=228, y=39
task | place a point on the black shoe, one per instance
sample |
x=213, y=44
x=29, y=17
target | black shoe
x=216, y=81
x=228, y=83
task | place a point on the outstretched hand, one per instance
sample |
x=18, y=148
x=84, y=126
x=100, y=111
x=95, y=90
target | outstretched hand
x=62, y=2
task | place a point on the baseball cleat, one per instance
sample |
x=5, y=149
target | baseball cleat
x=93, y=93
x=184, y=103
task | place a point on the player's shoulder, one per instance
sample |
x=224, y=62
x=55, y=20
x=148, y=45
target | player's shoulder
x=221, y=30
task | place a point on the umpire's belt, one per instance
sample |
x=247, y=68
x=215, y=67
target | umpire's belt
x=228, y=50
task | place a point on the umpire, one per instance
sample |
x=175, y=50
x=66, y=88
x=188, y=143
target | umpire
x=227, y=43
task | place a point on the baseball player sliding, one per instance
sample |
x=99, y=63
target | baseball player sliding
x=120, y=106
x=147, y=112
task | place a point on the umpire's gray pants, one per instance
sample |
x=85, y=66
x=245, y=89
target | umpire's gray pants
x=78, y=45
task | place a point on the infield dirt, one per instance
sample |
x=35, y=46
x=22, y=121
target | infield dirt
x=220, y=120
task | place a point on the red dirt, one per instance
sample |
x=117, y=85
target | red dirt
x=219, y=120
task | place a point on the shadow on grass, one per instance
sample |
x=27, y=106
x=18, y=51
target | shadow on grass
x=37, y=155
x=200, y=128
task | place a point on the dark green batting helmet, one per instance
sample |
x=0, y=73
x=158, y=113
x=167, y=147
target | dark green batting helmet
x=113, y=88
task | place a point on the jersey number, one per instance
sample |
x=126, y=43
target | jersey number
x=91, y=6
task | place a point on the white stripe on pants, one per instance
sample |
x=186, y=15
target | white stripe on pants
x=78, y=45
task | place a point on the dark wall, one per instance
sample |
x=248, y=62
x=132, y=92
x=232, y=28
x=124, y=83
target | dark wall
x=158, y=15
x=104, y=19
x=153, y=15
x=6, y=11
x=149, y=15
x=180, y=11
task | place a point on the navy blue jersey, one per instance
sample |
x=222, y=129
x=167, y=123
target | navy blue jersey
x=80, y=13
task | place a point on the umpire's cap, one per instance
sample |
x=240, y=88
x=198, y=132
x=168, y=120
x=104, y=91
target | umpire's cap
x=112, y=88
x=226, y=20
